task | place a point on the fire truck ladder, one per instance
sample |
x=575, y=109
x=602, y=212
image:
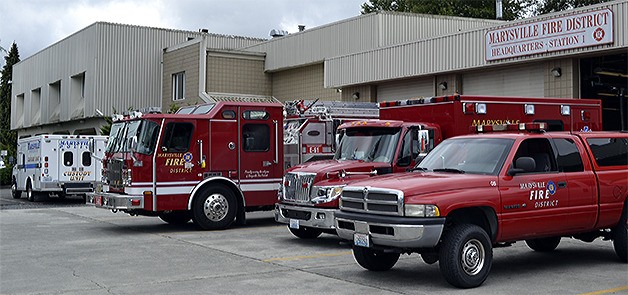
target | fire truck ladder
x=216, y=97
x=340, y=109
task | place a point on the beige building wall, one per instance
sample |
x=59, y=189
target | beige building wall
x=185, y=59
x=364, y=93
x=237, y=73
x=567, y=84
x=303, y=83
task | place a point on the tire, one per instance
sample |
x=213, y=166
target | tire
x=30, y=194
x=374, y=260
x=16, y=194
x=620, y=236
x=214, y=207
x=543, y=244
x=466, y=255
x=306, y=232
x=176, y=217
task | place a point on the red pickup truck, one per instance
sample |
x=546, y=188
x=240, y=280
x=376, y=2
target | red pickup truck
x=476, y=192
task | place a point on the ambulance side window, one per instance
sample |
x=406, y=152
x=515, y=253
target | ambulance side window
x=68, y=159
x=256, y=137
x=177, y=137
x=86, y=159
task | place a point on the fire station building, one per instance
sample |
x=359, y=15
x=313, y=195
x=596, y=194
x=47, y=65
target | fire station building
x=580, y=53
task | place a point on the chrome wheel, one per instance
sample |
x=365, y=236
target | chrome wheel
x=473, y=255
x=216, y=207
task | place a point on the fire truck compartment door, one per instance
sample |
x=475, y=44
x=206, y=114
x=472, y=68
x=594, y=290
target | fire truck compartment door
x=223, y=152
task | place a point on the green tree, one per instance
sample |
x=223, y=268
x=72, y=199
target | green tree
x=8, y=138
x=547, y=6
x=512, y=9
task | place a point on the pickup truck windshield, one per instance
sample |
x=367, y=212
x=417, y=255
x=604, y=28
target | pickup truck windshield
x=368, y=144
x=468, y=155
x=122, y=133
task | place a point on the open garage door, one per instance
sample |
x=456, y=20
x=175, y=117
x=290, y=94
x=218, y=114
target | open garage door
x=606, y=77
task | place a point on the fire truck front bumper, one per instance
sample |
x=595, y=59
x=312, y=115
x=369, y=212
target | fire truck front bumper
x=115, y=201
x=367, y=230
x=300, y=216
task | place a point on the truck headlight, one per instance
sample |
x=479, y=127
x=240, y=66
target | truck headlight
x=326, y=194
x=412, y=210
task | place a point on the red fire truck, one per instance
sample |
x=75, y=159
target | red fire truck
x=406, y=132
x=210, y=163
x=310, y=127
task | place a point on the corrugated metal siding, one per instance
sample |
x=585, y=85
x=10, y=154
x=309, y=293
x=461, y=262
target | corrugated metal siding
x=122, y=66
x=405, y=89
x=358, y=34
x=520, y=81
x=396, y=28
x=455, y=52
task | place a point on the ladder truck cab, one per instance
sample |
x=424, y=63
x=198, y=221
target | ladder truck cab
x=310, y=127
x=406, y=131
x=57, y=165
x=208, y=163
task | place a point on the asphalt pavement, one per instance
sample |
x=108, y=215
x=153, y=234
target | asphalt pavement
x=59, y=248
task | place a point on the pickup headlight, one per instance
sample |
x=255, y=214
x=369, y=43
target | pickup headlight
x=411, y=210
x=326, y=194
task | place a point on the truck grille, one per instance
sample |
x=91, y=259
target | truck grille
x=297, y=187
x=114, y=173
x=372, y=200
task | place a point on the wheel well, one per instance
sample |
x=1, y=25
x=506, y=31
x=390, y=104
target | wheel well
x=483, y=217
x=223, y=182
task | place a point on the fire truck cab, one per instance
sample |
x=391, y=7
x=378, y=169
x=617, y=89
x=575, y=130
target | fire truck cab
x=310, y=127
x=406, y=131
x=210, y=163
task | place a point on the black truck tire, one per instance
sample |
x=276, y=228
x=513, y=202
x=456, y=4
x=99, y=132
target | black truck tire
x=620, y=235
x=214, y=207
x=374, y=260
x=466, y=255
x=16, y=194
x=176, y=217
x=305, y=232
x=543, y=244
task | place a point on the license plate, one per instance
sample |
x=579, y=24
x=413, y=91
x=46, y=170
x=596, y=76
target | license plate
x=361, y=240
x=294, y=223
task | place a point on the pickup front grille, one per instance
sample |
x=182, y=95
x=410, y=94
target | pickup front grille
x=297, y=187
x=372, y=200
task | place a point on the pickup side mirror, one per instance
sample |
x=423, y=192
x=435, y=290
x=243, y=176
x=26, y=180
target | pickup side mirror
x=91, y=145
x=522, y=165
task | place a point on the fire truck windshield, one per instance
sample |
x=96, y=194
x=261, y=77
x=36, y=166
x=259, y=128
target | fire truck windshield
x=466, y=155
x=368, y=144
x=122, y=133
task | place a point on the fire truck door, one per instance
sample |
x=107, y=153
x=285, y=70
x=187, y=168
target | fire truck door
x=260, y=168
x=222, y=152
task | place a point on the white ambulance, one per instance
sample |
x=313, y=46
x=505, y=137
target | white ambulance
x=57, y=165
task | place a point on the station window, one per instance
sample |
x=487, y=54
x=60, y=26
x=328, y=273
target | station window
x=68, y=159
x=256, y=137
x=178, y=86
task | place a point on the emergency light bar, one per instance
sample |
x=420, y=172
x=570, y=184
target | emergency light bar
x=531, y=127
x=423, y=100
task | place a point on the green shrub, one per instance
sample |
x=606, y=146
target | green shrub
x=5, y=175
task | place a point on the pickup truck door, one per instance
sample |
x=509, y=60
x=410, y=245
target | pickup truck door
x=533, y=204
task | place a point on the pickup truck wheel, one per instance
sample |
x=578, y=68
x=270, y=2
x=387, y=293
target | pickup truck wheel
x=305, y=232
x=214, y=208
x=374, y=260
x=176, y=217
x=430, y=258
x=466, y=255
x=14, y=192
x=543, y=244
x=620, y=236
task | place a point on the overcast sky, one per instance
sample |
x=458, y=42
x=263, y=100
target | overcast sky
x=36, y=24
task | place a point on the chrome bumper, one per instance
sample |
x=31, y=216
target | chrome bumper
x=322, y=218
x=115, y=201
x=398, y=232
